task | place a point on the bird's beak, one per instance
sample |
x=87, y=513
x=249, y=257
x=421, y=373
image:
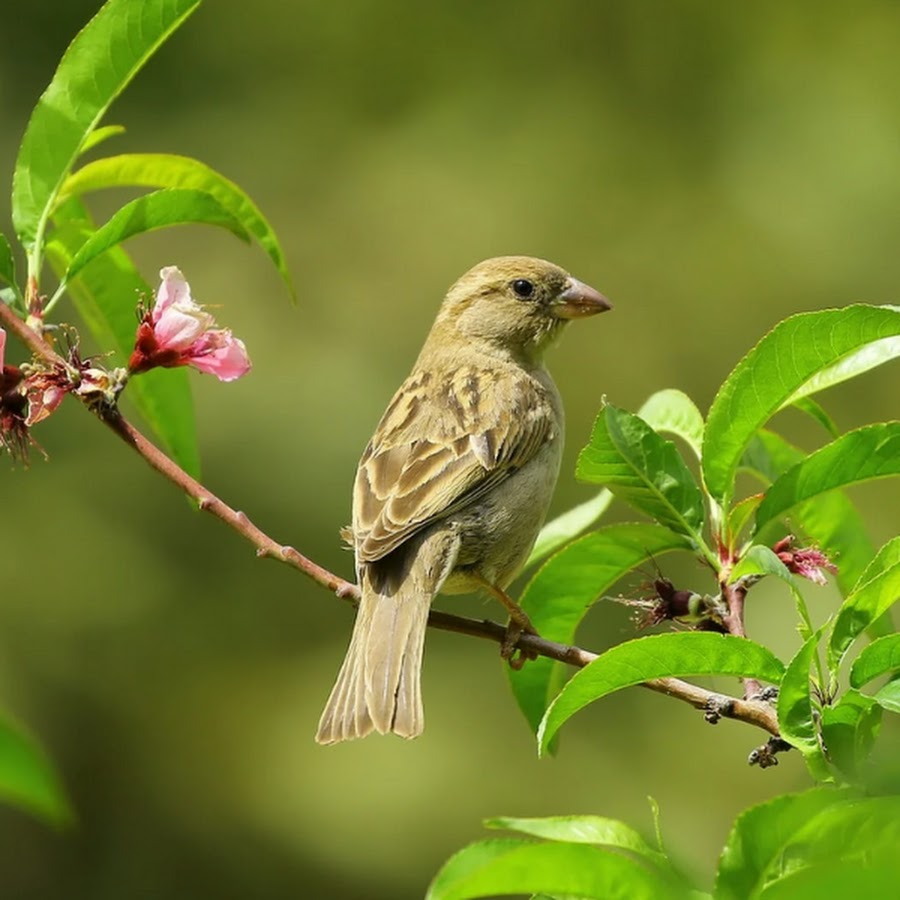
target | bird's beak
x=578, y=301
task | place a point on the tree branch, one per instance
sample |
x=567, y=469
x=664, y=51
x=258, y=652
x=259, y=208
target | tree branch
x=751, y=711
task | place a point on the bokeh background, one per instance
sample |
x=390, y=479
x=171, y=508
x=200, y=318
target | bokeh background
x=710, y=167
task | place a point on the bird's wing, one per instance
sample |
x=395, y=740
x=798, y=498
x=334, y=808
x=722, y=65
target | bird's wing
x=440, y=447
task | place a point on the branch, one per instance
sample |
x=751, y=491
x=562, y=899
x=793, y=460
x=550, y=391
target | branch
x=753, y=711
x=735, y=595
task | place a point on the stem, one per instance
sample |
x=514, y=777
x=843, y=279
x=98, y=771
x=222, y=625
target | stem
x=735, y=595
x=754, y=712
x=57, y=296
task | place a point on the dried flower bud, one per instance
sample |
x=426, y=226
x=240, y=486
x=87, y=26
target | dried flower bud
x=808, y=562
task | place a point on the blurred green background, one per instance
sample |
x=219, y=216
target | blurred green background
x=710, y=167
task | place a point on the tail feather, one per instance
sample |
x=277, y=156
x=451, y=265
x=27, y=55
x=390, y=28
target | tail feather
x=378, y=687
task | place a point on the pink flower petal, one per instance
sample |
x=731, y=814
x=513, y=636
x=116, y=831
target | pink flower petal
x=221, y=354
x=173, y=288
x=179, y=326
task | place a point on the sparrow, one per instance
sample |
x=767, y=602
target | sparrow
x=454, y=485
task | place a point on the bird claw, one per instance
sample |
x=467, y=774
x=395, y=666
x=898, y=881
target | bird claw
x=508, y=650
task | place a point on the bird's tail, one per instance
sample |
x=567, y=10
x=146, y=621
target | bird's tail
x=378, y=687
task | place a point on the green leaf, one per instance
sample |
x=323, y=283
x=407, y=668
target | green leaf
x=879, y=657
x=658, y=656
x=7, y=263
x=861, y=455
x=597, y=830
x=564, y=589
x=106, y=294
x=797, y=719
x=150, y=213
x=740, y=514
x=760, y=560
x=876, y=879
x=630, y=458
x=858, y=830
x=568, y=525
x=582, y=830
x=672, y=412
x=754, y=850
x=97, y=137
x=28, y=779
x=849, y=729
x=513, y=866
x=830, y=520
x=801, y=355
x=877, y=589
x=889, y=696
x=102, y=59
x=816, y=411
x=164, y=170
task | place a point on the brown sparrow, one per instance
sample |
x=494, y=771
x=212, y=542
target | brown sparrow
x=452, y=489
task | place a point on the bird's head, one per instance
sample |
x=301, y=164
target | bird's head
x=517, y=304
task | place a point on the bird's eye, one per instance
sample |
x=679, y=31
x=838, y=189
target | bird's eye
x=523, y=288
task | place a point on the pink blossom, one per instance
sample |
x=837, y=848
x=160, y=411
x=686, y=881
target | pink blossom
x=179, y=332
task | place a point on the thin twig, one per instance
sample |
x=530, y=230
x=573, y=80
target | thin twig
x=754, y=712
x=735, y=594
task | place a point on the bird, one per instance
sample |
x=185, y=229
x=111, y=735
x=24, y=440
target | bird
x=454, y=485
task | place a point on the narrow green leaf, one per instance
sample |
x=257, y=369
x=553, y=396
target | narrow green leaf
x=164, y=170
x=878, y=658
x=97, y=137
x=849, y=729
x=28, y=779
x=150, y=213
x=801, y=355
x=7, y=263
x=630, y=458
x=754, y=849
x=102, y=59
x=672, y=412
x=564, y=589
x=567, y=526
x=513, y=866
x=679, y=655
x=106, y=295
x=877, y=589
x=797, y=719
x=889, y=696
x=740, y=514
x=816, y=411
x=861, y=455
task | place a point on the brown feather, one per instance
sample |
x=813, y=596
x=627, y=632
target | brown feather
x=418, y=470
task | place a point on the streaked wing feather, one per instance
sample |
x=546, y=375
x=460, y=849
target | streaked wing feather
x=428, y=459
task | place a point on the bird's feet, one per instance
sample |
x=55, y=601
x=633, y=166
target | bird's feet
x=508, y=650
x=519, y=624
